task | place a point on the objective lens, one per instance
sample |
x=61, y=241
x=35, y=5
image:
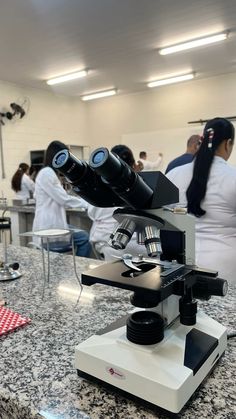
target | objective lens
x=122, y=235
x=60, y=159
x=151, y=240
x=98, y=157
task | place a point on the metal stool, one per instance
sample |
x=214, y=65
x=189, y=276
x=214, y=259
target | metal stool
x=45, y=245
x=7, y=272
x=45, y=237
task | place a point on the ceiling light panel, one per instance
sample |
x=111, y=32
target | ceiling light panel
x=171, y=80
x=194, y=43
x=68, y=77
x=98, y=95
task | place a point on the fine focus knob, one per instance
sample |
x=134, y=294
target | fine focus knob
x=187, y=311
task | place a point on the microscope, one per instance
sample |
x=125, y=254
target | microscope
x=164, y=348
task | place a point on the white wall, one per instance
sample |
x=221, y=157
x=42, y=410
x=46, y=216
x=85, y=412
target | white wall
x=157, y=120
x=50, y=117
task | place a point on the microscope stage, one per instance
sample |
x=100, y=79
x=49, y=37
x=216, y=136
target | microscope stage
x=155, y=279
x=165, y=374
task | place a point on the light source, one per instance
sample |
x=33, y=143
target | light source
x=67, y=77
x=97, y=95
x=171, y=80
x=194, y=43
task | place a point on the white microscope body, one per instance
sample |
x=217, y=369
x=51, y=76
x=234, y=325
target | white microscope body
x=165, y=373
x=154, y=373
x=162, y=352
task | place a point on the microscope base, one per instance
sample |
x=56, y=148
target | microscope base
x=165, y=374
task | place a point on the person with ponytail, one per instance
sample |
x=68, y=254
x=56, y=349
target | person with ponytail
x=207, y=187
x=21, y=182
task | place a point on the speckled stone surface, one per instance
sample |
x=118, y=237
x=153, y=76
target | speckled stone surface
x=38, y=378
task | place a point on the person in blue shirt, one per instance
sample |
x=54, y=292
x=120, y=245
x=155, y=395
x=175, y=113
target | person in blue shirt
x=193, y=145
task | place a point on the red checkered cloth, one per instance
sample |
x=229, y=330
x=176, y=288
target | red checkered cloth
x=9, y=320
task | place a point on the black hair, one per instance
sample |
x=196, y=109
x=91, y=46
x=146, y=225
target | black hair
x=34, y=170
x=193, y=140
x=215, y=132
x=142, y=154
x=17, y=177
x=124, y=153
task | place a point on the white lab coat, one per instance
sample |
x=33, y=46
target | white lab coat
x=216, y=230
x=27, y=186
x=51, y=201
x=103, y=223
x=151, y=165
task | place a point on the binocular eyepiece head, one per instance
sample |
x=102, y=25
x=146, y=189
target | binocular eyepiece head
x=105, y=181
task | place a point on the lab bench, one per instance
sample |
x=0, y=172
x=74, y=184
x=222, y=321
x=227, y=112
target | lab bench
x=22, y=217
x=38, y=377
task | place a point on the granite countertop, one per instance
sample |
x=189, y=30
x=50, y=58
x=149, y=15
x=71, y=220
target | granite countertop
x=38, y=377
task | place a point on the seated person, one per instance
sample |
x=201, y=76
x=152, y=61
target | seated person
x=104, y=224
x=51, y=201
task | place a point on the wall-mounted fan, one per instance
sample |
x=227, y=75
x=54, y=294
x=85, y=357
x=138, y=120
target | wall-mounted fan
x=17, y=110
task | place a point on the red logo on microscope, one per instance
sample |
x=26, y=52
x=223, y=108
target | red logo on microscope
x=114, y=372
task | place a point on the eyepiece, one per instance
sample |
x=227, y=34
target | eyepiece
x=60, y=159
x=98, y=157
x=107, y=164
x=121, y=178
x=85, y=182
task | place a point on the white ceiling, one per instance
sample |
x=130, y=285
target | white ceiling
x=117, y=40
